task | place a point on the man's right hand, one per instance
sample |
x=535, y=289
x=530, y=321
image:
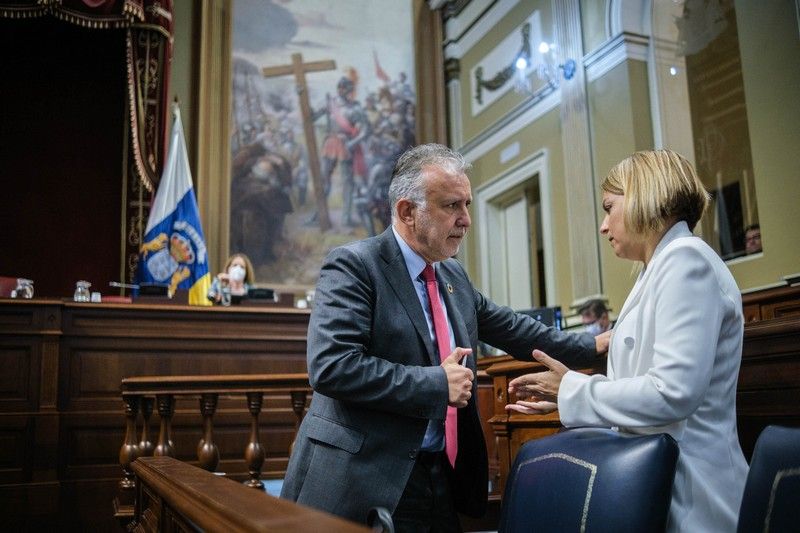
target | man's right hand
x=459, y=378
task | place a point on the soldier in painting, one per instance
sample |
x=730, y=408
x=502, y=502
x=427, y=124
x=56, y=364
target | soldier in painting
x=347, y=128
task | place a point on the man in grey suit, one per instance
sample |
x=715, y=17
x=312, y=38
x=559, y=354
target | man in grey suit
x=374, y=435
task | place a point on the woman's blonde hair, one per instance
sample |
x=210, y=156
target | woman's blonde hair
x=659, y=187
x=249, y=274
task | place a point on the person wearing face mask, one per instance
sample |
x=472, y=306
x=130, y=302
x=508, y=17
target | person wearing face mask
x=236, y=279
x=594, y=316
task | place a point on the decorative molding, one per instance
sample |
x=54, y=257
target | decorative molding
x=533, y=165
x=501, y=77
x=526, y=113
x=479, y=30
x=452, y=69
x=453, y=8
x=502, y=59
x=458, y=23
x=213, y=178
x=584, y=257
x=454, y=100
x=615, y=51
x=627, y=16
x=509, y=152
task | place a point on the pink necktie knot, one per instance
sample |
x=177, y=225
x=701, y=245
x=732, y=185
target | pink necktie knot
x=428, y=273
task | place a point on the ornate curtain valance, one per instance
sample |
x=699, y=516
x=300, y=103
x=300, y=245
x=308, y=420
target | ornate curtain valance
x=88, y=13
x=148, y=25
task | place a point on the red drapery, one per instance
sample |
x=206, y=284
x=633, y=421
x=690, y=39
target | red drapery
x=149, y=29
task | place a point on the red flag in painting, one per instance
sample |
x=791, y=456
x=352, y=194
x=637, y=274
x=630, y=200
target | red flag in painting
x=379, y=72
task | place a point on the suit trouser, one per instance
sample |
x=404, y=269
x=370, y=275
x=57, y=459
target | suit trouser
x=427, y=503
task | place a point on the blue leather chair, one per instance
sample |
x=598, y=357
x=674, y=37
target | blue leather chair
x=590, y=479
x=771, y=499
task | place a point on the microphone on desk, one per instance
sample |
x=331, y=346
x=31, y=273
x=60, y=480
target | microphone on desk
x=123, y=285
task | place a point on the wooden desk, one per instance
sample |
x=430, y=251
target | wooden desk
x=768, y=391
x=513, y=430
x=61, y=422
x=778, y=302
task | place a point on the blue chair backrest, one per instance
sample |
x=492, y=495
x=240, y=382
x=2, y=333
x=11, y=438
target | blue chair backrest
x=590, y=479
x=771, y=501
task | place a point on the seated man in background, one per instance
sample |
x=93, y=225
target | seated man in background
x=594, y=316
x=752, y=239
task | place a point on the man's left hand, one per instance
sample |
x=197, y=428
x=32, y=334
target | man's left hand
x=602, y=341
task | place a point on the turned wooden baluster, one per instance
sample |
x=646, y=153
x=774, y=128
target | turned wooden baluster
x=299, y=408
x=166, y=408
x=130, y=450
x=146, y=446
x=207, y=451
x=254, y=453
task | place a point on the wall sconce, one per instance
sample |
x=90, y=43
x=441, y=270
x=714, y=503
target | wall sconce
x=520, y=68
x=547, y=70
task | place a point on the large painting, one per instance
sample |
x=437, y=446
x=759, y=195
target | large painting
x=323, y=104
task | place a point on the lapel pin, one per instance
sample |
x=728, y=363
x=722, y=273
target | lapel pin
x=449, y=288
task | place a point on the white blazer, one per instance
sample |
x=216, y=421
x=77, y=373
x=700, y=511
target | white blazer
x=673, y=365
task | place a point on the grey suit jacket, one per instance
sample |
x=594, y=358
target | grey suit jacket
x=377, y=381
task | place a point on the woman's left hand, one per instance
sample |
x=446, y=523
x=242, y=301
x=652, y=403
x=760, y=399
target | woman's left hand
x=540, y=386
x=532, y=408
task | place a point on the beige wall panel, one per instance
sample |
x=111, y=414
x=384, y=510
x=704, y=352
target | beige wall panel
x=620, y=118
x=544, y=134
x=473, y=126
x=593, y=23
x=770, y=50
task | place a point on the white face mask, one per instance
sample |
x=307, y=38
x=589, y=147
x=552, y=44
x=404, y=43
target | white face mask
x=236, y=273
x=594, y=328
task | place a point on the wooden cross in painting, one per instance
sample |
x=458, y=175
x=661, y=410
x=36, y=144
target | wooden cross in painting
x=299, y=69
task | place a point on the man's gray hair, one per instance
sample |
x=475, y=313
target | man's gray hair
x=407, y=177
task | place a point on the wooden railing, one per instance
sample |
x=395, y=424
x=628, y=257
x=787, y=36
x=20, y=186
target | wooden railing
x=142, y=394
x=175, y=496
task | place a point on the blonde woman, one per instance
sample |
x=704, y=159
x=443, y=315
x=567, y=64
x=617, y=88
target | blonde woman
x=238, y=276
x=674, y=357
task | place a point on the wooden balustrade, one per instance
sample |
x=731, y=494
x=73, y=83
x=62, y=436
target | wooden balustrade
x=138, y=394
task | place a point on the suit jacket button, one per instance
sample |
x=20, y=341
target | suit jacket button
x=412, y=454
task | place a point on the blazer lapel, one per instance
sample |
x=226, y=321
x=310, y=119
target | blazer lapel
x=396, y=274
x=675, y=232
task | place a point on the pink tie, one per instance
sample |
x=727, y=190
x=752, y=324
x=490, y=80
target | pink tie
x=443, y=342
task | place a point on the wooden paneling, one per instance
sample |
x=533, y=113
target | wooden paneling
x=779, y=302
x=768, y=390
x=61, y=414
x=512, y=430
